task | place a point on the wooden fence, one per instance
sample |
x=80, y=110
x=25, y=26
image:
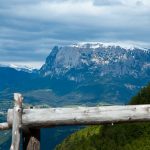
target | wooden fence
x=29, y=121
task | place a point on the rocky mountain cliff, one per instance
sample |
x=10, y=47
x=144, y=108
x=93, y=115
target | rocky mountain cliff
x=81, y=62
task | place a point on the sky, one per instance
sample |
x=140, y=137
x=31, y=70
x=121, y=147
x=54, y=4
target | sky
x=30, y=28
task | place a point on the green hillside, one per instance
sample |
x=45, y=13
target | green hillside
x=129, y=136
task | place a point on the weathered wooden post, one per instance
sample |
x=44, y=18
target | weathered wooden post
x=17, y=120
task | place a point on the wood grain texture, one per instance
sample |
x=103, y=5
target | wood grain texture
x=83, y=115
x=17, y=120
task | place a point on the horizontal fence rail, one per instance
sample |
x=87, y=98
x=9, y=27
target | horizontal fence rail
x=82, y=115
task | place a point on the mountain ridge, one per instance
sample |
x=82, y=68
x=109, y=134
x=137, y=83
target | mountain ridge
x=19, y=67
x=127, y=46
x=74, y=61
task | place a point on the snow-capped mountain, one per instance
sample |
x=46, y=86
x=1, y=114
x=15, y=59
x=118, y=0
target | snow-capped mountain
x=79, y=61
x=19, y=68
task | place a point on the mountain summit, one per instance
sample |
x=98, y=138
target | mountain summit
x=81, y=61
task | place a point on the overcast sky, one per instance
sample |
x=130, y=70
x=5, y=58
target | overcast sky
x=30, y=28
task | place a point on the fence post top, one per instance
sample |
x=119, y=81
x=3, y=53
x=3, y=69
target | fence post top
x=18, y=99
